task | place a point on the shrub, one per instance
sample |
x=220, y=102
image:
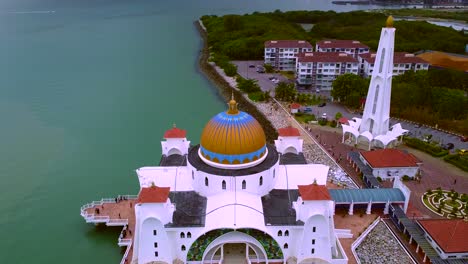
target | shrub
x=258, y=96
x=406, y=178
x=458, y=161
x=230, y=69
x=429, y=191
x=433, y=150
x=322, y=122
x=333, y=123
x=338, y=115
x=379, y=178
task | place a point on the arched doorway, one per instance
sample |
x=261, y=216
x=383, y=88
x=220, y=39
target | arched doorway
x=235, y=246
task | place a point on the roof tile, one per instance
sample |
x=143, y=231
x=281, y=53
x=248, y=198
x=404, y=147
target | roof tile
x=384, y=158
x=314, y=192
x=153, y=194
x=449, y=234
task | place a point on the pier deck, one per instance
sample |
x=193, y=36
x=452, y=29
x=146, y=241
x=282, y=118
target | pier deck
x=115, y=212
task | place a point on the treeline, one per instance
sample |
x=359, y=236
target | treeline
x=434, y=97
x=242, y=37
x=416, y=12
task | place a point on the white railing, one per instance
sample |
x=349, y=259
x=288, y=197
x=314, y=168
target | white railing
x=358, y=241
x=124, y=258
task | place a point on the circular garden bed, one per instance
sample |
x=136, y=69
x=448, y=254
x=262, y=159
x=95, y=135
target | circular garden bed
x=445, y=203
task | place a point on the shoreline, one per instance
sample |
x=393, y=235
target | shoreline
x=225, y=88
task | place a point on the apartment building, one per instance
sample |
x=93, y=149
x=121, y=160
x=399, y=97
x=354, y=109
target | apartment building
x=320, y=69
x=282, y=54
x=351, y=47
x=402, y=62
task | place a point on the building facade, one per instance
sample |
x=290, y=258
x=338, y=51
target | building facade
x=351, y=47
x=282, y=54
x=320, y=69
x=390, y=163
x=447, y=237
x=402, y=62
x=245, y=205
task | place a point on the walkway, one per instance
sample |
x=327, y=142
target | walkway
x=114, y=212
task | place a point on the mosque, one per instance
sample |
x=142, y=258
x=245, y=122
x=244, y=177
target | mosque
x=235, y=198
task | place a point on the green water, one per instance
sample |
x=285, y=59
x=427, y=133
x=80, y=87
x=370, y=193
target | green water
x=86, y=93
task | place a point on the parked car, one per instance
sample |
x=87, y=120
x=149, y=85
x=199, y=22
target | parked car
x=322, y=104
x=417, y=126
x=448, y=146
x=251, y=66
x=464, y=138
x=317, y=90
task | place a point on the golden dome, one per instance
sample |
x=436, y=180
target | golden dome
x=389, y=22
x=233, y=137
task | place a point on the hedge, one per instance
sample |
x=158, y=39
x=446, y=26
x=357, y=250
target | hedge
x=433, y=150
x=458, y=161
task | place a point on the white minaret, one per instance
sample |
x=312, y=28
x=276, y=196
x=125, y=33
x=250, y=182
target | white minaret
x=376, y=115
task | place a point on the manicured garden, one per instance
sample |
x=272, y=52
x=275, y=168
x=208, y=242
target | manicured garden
x=199, y=246
x=445, y=203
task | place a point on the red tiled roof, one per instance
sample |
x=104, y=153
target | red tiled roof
x=175, y=133
x=450, y=235
x=341, y=44
x=288, y=44
x=295, y=106
x=153, y=194
x=398, y=57
x=343, y=120
x=314, y=192
x=289, y=132
x=325, y=57
x=383, y=158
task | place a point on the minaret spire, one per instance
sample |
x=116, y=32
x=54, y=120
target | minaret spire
x=376, y=117
x=232, y=106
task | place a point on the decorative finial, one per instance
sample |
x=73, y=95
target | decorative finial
x=389, y=22
x=232, y=106
x=315, y=181
x=232, y=95
x=153, y=185
x=173, y=125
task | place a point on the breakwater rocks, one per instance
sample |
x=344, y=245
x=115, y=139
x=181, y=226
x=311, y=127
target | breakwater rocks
x=380, y=246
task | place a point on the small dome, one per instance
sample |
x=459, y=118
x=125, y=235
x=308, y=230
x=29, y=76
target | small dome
x=233, y=137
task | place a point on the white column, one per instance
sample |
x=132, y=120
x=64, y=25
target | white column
x=424, y=259
x=369, y=207
x=387, y=207
x=417, y=248
x=351, y=207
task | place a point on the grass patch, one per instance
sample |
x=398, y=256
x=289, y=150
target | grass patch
x=304, y=118
x=433, y=150
x=288, y=74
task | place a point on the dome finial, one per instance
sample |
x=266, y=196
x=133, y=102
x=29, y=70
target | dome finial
x=232, y=106
x=389, y=22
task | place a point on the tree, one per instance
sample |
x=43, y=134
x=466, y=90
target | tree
x=285, y=91
x=230, y=69
x=268, y=68
x=248, y=85
x=338, y=115
x=232, y=22
x=347, y=85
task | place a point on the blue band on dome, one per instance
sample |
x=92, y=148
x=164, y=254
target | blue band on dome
x=231, y=158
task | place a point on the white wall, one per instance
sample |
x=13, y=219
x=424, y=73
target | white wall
x=394, y=172
x=283, y=144
x=175, y=146
x=215, y=182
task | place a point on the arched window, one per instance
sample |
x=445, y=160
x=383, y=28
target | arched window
x=260, y=181
x=376, y=96
x=312, y=251
x=244, y=185
x=193, y=175
x=285, y=245
x=280, y=233
x=286, y=233
x=382, y=58
x=189, y=235
x=182, y=235
x=182, y=247
x=206, y=181
x=223, y=185
x=313, y=241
